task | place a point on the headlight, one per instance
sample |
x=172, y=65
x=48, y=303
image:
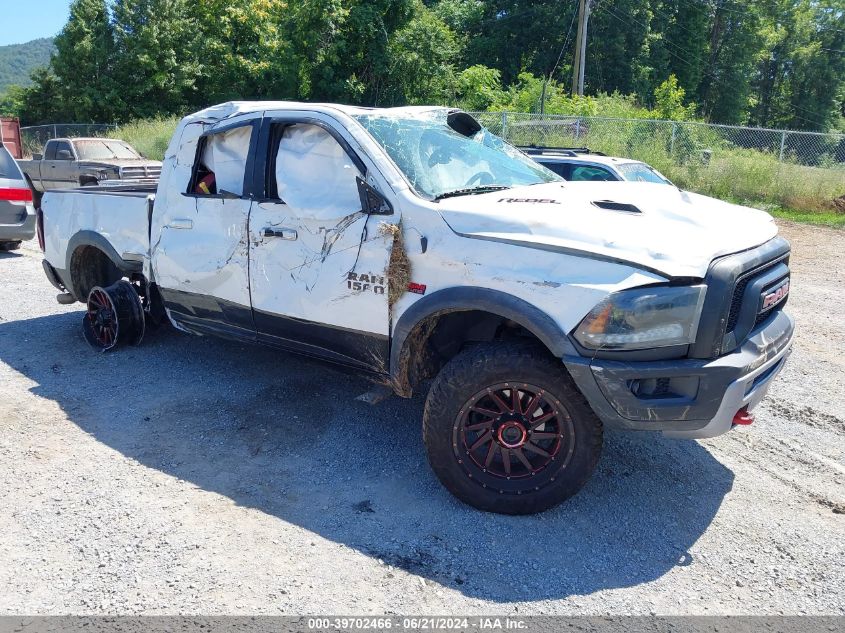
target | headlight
x=643, y=318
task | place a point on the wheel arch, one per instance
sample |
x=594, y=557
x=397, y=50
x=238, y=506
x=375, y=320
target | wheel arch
x=418, y=323
x=92, y=261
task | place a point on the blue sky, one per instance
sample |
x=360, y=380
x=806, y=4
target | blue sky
x=25, y=20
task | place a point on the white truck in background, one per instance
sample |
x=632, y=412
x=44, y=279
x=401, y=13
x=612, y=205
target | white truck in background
x=411, y=244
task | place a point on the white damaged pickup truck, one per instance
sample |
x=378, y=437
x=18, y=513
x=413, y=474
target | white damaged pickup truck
x=414, y=246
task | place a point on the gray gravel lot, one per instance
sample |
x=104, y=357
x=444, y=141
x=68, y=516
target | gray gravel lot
x=196, y=476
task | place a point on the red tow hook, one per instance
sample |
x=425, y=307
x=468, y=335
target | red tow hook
x=743, y=417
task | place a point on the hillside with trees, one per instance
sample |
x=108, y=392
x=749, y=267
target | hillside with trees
x=773, y=63
x=17, y=61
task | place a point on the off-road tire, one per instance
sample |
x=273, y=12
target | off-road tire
x=481, y=368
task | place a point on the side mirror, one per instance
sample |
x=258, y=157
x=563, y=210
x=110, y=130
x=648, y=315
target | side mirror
x=38, y=157
x=372, y=201
x=64, y=154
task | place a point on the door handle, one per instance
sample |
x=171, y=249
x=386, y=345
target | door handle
x=180, y=224
x=284, y=234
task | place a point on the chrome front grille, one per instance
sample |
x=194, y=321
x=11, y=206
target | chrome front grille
x=141, y=172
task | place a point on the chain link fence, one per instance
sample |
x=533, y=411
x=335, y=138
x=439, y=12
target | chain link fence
x=681, y=141
x=34, y=137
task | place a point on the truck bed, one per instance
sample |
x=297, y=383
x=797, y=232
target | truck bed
x=120, y=214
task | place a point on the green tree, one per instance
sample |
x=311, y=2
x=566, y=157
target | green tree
x=82, y=64
x=619, y=49
x=802, y=68
x=725, y=91
x=156, y=64
x=669, y=101
x=479, y=88
x=40, y=103
x=244, y=51
x=11, y=101
x=420, y=56
x=341, y=46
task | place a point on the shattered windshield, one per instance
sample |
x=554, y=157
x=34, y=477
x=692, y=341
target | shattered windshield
x=438, y=161
x=96, y=149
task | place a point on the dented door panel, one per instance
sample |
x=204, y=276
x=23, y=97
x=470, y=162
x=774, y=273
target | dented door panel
x=318, y=263
x=326, y=291
x=200, y=244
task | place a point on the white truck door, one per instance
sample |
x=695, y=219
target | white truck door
x=317, y=262
x=201, y=255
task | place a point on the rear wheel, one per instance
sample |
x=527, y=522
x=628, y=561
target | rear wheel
x=507, y=431
x=10, y=246
x=115, y=317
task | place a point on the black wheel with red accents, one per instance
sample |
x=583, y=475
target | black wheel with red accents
x=506, y=429
x=115, y=316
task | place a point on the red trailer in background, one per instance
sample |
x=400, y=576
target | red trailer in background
x=10, y=135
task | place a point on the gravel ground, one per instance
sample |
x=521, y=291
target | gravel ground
x=195, y=476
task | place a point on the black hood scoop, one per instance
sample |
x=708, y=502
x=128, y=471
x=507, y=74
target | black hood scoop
x=610, y=205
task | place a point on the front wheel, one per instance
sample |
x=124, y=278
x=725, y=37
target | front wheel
x=507, y=431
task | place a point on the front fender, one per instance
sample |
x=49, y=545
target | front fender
x=459, y=299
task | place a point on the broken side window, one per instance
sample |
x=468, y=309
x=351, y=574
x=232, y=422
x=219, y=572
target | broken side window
x=313, y=173
x=221, y=162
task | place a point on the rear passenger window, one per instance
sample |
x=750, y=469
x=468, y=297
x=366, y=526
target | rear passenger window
x=8, y=166
x=585, y=172
x=561, y=169
x=221, y=162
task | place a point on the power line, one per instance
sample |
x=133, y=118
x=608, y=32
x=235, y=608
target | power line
x=707, y=5
x=565, y=42
x=668, y=42
x=677, y=23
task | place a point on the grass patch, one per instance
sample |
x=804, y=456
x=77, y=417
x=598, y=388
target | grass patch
x=700, y=160
x=830, y=218
x=150, y=136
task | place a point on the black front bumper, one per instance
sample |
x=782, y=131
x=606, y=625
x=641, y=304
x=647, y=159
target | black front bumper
x=685, y=397
x=695, y=392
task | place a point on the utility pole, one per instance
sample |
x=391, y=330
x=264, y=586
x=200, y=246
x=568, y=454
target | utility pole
x=584, y=7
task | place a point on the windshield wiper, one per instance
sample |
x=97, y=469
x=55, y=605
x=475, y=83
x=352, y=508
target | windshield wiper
x=471, y=190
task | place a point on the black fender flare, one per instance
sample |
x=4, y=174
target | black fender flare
x=495, y=302
x=92, y=238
